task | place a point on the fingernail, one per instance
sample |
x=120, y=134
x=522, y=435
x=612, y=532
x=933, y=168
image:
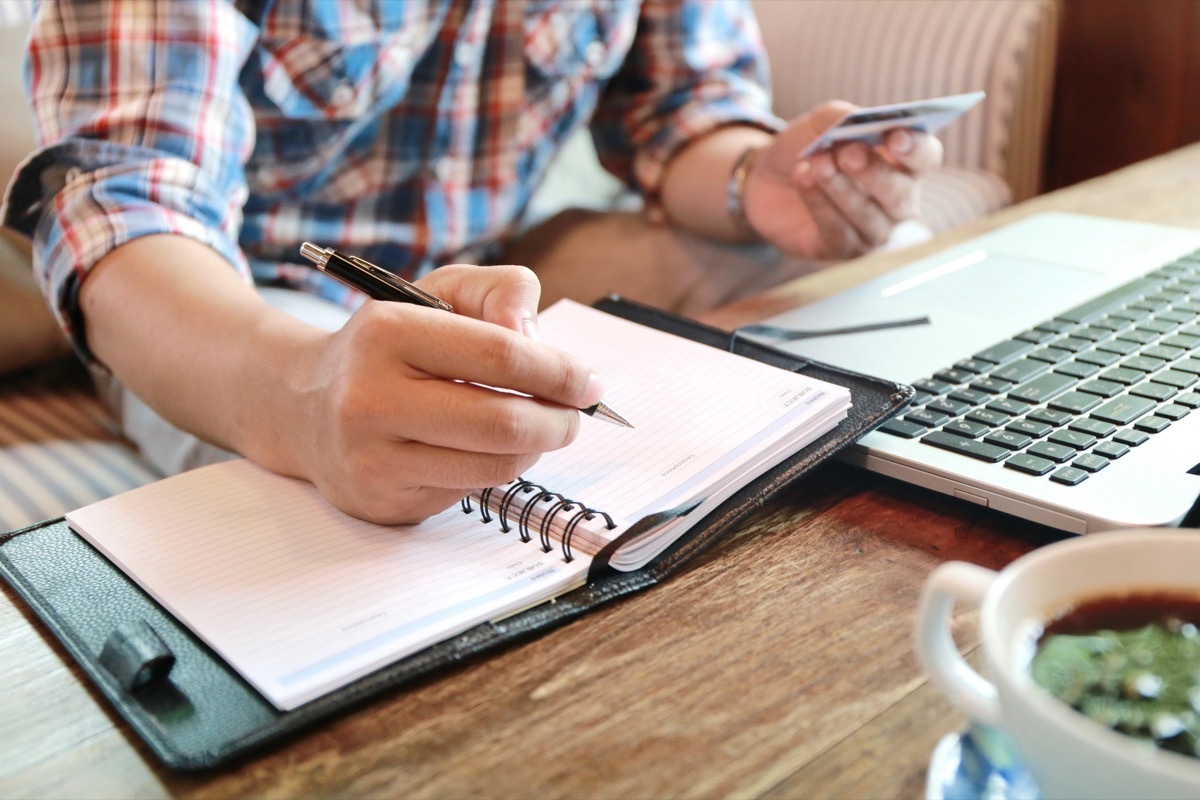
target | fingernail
x=529, y=327
x=804, y=174
x=901, y=142
x=594, y=391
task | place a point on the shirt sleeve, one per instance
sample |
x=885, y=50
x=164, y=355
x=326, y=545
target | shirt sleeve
x=142, y=129
x=695, y=65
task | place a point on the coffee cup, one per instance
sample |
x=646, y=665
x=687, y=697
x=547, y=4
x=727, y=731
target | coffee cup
x=1068, y=754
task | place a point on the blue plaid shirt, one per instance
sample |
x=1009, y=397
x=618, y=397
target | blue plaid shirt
x=411, y=133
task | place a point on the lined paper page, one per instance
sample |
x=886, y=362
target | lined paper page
x=299, y=597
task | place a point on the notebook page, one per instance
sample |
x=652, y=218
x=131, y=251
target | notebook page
x=300, y=598
x=703, y=417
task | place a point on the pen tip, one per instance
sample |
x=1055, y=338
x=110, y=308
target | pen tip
x=605, y=412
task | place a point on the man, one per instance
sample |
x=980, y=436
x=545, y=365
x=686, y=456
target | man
x=190, y=147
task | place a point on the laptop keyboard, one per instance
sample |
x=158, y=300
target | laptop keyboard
x=1068, y=397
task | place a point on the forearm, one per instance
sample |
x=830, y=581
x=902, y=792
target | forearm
x=694, y=187
x=182, y=330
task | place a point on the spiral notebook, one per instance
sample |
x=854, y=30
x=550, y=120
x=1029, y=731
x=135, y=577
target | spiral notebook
x=302, y=599
x=264, y=543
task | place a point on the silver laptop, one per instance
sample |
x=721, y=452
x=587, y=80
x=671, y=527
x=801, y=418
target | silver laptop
x=1058, y=371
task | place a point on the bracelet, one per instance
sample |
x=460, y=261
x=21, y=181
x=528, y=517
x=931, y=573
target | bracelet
x=735, y=191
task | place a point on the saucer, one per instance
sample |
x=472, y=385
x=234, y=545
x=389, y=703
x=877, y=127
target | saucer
x=977, y=764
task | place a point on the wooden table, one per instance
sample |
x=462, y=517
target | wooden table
x=779, y=664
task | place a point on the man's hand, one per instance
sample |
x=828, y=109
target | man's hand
x=841, y=202
x=395, y=412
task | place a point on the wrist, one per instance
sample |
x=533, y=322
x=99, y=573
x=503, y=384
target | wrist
x=735, y=192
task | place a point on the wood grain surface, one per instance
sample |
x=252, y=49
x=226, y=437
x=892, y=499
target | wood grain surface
x=778, y=664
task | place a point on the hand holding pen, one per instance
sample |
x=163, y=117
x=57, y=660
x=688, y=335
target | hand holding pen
x=380, y=284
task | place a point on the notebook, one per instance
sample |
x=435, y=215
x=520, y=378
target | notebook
x=1056, y=364
x=302, y=599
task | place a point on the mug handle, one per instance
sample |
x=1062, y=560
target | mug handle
x=947, y=669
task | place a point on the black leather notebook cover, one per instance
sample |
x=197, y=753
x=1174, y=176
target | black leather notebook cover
x=203, y=715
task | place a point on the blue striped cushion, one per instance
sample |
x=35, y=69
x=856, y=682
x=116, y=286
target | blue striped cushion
x=58, y=449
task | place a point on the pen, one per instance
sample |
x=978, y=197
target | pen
x=380, y=284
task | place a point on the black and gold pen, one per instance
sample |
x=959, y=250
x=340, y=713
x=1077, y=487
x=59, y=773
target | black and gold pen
x=380, y=284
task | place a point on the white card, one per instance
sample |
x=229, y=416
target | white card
x=869, y=124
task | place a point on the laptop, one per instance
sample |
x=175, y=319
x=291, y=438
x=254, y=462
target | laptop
x=1056, y=363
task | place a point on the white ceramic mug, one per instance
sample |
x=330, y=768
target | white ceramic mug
x=1069, y=755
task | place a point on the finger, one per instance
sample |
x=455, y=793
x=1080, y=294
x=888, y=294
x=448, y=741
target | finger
x=892, y=189
x=466, y=417
x=839, y=239
x=915, y=151
x=800, y=132
x=850, y=198
x=459, y=348
x=505, y=295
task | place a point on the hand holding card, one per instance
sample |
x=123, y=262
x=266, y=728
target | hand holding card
x=870, y=124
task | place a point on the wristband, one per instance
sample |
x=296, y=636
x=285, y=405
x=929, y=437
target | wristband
x=735, y=191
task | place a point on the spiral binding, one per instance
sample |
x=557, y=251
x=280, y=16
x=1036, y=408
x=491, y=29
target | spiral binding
x=536, y=494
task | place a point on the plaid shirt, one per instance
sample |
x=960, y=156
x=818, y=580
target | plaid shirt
x=410, y=133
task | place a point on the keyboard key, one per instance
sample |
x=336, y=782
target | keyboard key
x=974, y=365
x=1072, y=343
x=986, y=416
x=1055, y=452
x=1191, y=400
x=1007, y=405
x=1174, y=377
x=1191, y=365
x=929, y=419
x=1093, y=426
x=1110, y=450
x=1102, y=387
x=964, y=427
x=1042, y=388
x=1152, y=424
x=1050, y=416
x=1123, y=410
x=1076, y=402
x=967, y=447
x=1077, y=369
x=1073, y=439
x=1119, y=346
x=971, y=397
x=1128, y=377
x=1020, y=371
x=1070, y=476
x=1163, y=351
x=1011, y=440
x=1090, y=462
x=953, y=375
x=1036, y=336
x=1051, y=355
x=1184, y=340
x=1130, y=437
x=932, y=386
x=1155, y=391
x=1173, y=411
x=947, y=406
x=991, y=385
x=1004, y=352
x=1138, y=336
x=1101, y=358
x=1030, y=464
x=903, y=428
x=1143, y=364
x=1030, y=427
